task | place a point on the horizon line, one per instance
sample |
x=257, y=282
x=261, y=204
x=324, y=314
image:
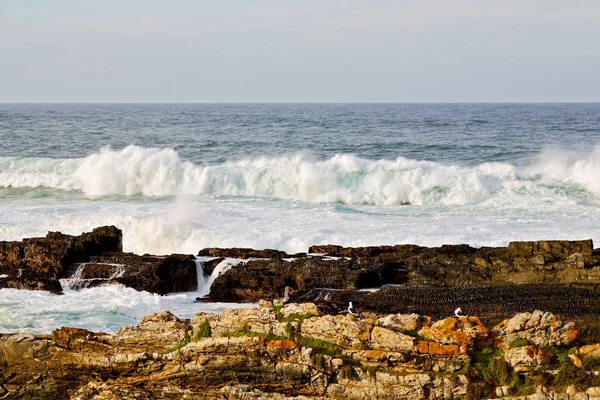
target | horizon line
x=295, y=102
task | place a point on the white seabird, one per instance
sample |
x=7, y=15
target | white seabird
x=458, y=313
x=350, y=309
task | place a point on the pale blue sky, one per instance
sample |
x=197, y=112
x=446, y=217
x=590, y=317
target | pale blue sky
x=299, y=50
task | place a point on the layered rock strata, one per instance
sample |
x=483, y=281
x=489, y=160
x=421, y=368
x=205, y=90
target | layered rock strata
x=292, y=351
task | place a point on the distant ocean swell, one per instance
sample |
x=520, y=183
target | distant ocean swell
x=343, y=178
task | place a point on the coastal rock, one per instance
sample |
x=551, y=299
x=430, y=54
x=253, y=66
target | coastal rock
x=335, y=357
x=209, y=266
x=304, y=309
x=268, y=279
x=591, y=350
x=539, y=328
x=382, y=338
x=255, y=319
x=403, y=322
x=522, y=358
x=461, y=331
x=154, y=274
x=156, y=333
x=38, y=263
x=343, y=330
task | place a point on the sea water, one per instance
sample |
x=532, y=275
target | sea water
x=178, y=178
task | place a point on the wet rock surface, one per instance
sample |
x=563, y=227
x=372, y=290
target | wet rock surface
x=38, y=263
x=560, y=276
x=490, y=301
x=91, y=259
x=260, y=353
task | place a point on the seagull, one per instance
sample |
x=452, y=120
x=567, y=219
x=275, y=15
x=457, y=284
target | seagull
x=458, y=313
x=350, y=309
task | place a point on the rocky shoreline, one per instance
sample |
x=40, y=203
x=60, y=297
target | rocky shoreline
x=300, y=342
x=562, y=277
x=293, y=351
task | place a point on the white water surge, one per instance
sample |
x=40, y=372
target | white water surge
x=103, y=308
x=344, y=178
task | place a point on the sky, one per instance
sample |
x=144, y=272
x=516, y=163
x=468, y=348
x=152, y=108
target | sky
x=299, y=51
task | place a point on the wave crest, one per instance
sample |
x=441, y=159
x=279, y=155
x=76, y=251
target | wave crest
x=344, y=178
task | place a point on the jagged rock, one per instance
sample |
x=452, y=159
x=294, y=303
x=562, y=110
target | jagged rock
x=460, y=331
x=82, y=340
x=440, y=349
x=593, y=392
x=38, y=263
x=555, y=249
x=372, y=363
x=210, y=265
x=157, y=332
x=301, y=309
x=539, y=328
x=343, y=330
x=246, y=392
x=464, y=271
x=255, y=319
x=403, y=322
x=154, y=274
x=576, y=360
x=382, y=338
x=26, y=283
x=591, y=351
x=268, y=279
x=522, y=358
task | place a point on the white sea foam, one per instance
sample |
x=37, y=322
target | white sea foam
x=105, y=308
x=344, y=178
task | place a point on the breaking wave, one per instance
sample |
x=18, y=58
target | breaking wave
x=343, y=178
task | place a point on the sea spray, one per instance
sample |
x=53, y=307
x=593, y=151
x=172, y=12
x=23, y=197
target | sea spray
x=343, y=178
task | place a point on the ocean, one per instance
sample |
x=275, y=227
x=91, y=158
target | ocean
x=181, y=177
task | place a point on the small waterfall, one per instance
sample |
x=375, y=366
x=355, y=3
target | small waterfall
x=78, y=281
x=202, y=278
x=205, y=281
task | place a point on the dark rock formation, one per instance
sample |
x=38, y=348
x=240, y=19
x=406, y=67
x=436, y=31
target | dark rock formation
x=560, y=276
x=91, y=259
x=154, y=274
x=490, y=302
x=38, y=263
x=259, y=279
x=209, y=266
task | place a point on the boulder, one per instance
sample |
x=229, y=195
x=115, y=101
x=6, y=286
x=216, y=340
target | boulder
x=157, y=332
x=525, y=357
x=461, y=331
x=590, y=351
x=38, y=263
x=343, y=330
x=154, y=274
x=382, y=338
x=304, y=309
x=403, y=322
x=539, y=328
x=268, y=279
